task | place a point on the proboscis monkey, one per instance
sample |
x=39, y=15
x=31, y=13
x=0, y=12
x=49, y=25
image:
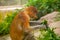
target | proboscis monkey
x=20, y=23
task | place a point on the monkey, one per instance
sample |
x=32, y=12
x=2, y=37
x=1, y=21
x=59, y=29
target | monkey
x=20, y=23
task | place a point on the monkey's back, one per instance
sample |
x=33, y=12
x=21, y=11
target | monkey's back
x=16, y=31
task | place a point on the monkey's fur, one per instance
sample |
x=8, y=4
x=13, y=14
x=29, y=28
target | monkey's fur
x=20, y=24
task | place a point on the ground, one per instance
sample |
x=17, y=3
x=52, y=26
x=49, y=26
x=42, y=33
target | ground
x=6, y=37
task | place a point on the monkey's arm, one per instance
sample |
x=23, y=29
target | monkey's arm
x=26, y=25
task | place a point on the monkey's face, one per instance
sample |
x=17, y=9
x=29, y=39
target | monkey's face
x=33, y=14
x=32, y=11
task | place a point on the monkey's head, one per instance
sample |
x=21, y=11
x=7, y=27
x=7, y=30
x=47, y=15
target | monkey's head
x=32, y=11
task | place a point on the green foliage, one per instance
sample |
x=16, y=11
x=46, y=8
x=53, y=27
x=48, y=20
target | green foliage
x=48, y=34
x=44, y=6
x=5, y=24
x=44, y=22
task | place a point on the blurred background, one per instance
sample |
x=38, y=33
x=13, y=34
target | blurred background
x=12, y=2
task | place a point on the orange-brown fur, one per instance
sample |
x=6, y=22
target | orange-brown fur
x=21, y=24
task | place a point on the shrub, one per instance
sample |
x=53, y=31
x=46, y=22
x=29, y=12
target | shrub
x=5, y=24
x=44, y=6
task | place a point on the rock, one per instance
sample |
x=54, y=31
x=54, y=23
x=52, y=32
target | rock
x=52, y=23
x=55, y=25
x=49, y=17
